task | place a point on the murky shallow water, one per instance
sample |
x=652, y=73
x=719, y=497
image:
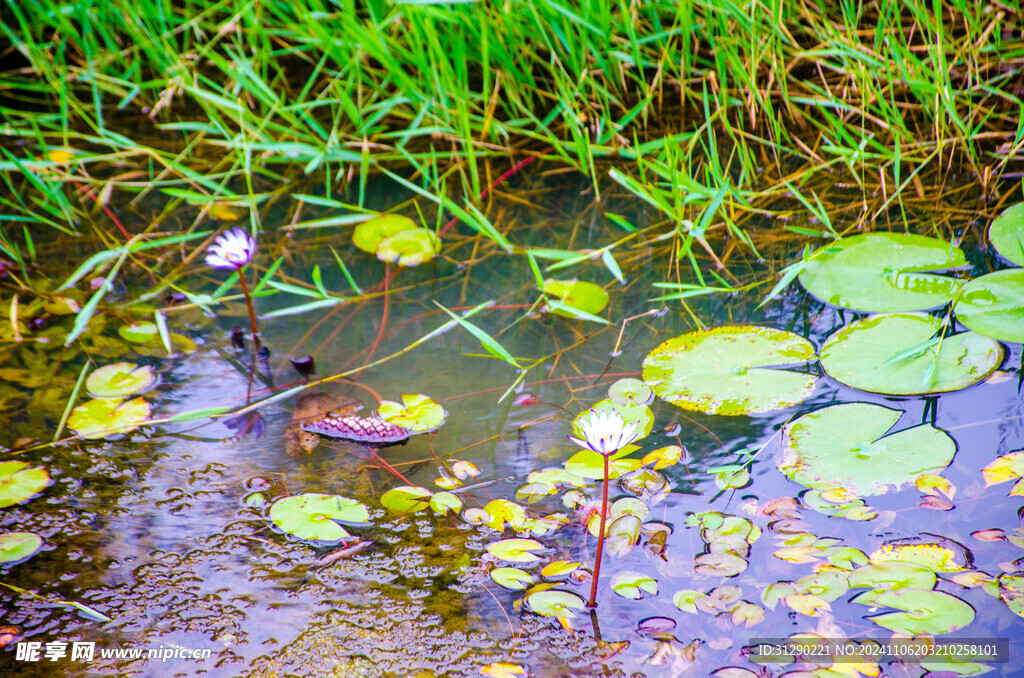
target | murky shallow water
x=152, y=531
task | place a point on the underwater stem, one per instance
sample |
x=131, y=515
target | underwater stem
x=600, y=537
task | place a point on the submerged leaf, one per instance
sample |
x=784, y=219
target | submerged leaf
x=576, y=294
x=369, y=234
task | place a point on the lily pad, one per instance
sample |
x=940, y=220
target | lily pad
x=312, y=516
x=730, y=370
x=512, y=578
x=883, y=272
x=409, y=248
x=896, y=354
x=417, y=413
x=846, y=446
x=516, y=550
x=104, y=418
x=631, y=392
x=634, y=585
x=1007, y=233
x=993, y=305
x=368, y=235
x=894, y=575
x=18, y=482
x=1011, y=592
x=932, y=612
x=406, y=499
x=555, y=603
x=577, y=294
x=18, y=546
x=119, y=380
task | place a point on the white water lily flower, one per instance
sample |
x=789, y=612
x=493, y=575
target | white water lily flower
x=232, y=249
x=606, y=432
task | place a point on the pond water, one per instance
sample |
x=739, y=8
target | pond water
x=154, y=531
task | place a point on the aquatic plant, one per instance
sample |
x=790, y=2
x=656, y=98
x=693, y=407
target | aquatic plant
x=604, y=432
x=233, y=250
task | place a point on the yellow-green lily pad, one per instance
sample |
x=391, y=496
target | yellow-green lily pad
x=409, y=248
x=576, y=294
x=119, y=380
x=555, y=603
x=848, y=446
x=732, y=370
x=900, y=354
x=104, y=417
x=993, y=305
x=19, y=482
x=417, y=413
x=406, y=499
x=1007, y=233
x=18, y=546
x=312, y=516
x=512, y=578
x=368, y=235
x=516, y=550
x=932, y=612
x=882, y=272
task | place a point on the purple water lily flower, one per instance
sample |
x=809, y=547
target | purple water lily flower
x=232, y=249
x=606, y=432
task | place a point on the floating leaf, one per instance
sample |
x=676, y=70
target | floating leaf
x=503, y=670
x=502, y=512
x=559, y=569
x=731, y=370
x=139, y=333
x=312, y=516
x=1006, y=233
x=929, y=483
x=103, y=417
x=409, y=248
x=577, y=294
x=555, y=603
x=512, y=578
x=417, y=413
x=634, y=585
x=18, y=546
x=847, y=446
x=895, y=354
x=516, y=550
x=406, y=499
x=369, y=234
x=1011, y=592
x=119, y=380
x=631, y=392
x=663, y=457
x=882, y=272
x=993, y=305
x=719, y=564
x=1007, y=467
x=806, y=604
x=18, y=482
x=938, y=556
x=747, y=615
x=444, y=502
x=590, y=464
x=932, y=612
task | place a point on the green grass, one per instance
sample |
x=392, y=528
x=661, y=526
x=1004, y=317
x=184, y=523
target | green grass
x=702, y=108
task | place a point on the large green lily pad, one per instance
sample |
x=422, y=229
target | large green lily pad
x=119, y=380
x=1007, y=233
x=18, y=546
x=895, y=354
x=993, y=305
x=725, y=370
x=883, y=272
x=312, y=516
x=103, y=417
x=845, y=446
x=932, y=612
x=18, y=482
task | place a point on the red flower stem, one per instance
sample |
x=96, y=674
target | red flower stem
x=600, y=537
x=252, y=319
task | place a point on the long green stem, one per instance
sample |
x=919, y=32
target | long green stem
x=600, y=537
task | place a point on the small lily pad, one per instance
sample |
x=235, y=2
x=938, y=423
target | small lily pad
x=139, y=333
x=993, y=305
x=104, y=418
x=633, y=585
x=417, y=413
x=896, y=354
x=1007, y=467
x=1007, y=233
x=368, y=235
x=406, y=499
x=577, y=294
x=931, y=612
x=516, y=550
x=312, y=516
x=555, y=603
x=19, y=482
x=512, y=578
x=1011, y=592
x=409, y=248
x=630, y=392
x=883, y=272
x=119, y=380
x=731, y=370
x=847, y=446
x=18, y=546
